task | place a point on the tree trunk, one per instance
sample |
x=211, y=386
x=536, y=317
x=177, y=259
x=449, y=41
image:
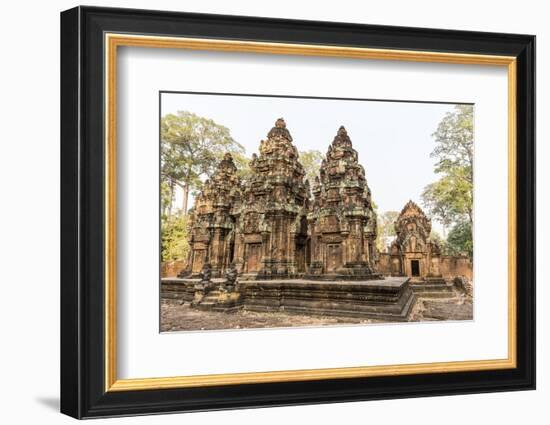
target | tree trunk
x=185, y=199
x=172, y=184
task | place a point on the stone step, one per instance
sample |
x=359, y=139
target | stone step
x=432, y=289
x=431, y=286
x=435, y=279
x=435, y=294
x=397, y=311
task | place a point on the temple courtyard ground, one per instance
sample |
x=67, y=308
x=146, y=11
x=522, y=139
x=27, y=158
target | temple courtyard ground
x=176, y=316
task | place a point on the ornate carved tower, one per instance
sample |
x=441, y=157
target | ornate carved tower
x=213, y=221
x=272, y=229
x=342, y=220
x=413, y=254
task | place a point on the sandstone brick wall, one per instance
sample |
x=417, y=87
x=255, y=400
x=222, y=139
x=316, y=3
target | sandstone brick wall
x=456, y=266
x=450, y=267
x=171, y=268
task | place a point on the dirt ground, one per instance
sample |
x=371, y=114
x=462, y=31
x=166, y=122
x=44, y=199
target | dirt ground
x=181, y=317
x=459, y=308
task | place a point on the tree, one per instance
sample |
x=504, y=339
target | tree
x=191, y=147
x=454, y=153
x=311, y=160
x=459, y=240
x=174, y=231
x=450, y=199
x=166, y=198
x=386, y=228
x=454, y=139
x=441, y=242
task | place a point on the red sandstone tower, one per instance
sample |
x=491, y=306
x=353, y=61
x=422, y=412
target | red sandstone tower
x=342, y=220
x=271, y=236
x=213, y=220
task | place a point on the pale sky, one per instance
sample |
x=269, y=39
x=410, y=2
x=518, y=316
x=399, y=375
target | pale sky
x=393, y=139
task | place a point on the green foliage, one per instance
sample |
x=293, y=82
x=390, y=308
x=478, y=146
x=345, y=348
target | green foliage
x=442, y=243
x=191, y=147
x=166, y=197
x=174, y=231
x=243, y=165
x=450, y=199
x=459, y=240
x=311, y=160
x=386, y=228
x=455, y=143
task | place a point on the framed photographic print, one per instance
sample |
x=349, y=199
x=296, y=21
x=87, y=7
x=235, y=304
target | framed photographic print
x=261, y=212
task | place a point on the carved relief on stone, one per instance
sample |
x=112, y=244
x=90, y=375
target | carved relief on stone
x=412, y=220
x=252, y=223
x=329, y=224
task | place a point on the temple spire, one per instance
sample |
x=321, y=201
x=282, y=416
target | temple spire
x=280, y=130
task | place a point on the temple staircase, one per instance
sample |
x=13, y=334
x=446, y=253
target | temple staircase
x=432, y=287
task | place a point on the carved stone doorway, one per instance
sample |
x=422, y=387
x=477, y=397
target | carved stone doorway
x=301, y=258
x=253, y=257
x=334, y=257
x=415, y=268
x=199, y=257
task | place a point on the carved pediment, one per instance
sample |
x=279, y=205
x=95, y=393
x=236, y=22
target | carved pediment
x=252, y=223
x=329, y=224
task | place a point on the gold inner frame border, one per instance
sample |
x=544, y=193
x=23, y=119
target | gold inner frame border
x=113, y=40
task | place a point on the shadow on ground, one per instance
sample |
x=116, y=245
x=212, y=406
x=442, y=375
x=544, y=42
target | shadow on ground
x=49, y=402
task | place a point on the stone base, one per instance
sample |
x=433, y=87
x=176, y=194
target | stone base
x=269, y=276
x=356, y=272
x=339, y=276
x=388, y=299
x=217, y=300
x=182, y=289
x=375, y=299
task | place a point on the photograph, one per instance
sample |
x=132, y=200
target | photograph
x=288, y=211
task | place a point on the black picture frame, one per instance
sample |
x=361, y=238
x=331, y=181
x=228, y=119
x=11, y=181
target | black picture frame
x=83, y=392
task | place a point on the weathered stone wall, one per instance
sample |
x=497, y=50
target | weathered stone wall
x=456, y=266
x=450, y=266
x=384, y=264
x=172, y=268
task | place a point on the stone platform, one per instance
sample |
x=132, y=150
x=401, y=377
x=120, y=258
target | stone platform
x=389, y=299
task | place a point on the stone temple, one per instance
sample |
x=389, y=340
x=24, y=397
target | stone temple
x=269, y=228
x=276, y=243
